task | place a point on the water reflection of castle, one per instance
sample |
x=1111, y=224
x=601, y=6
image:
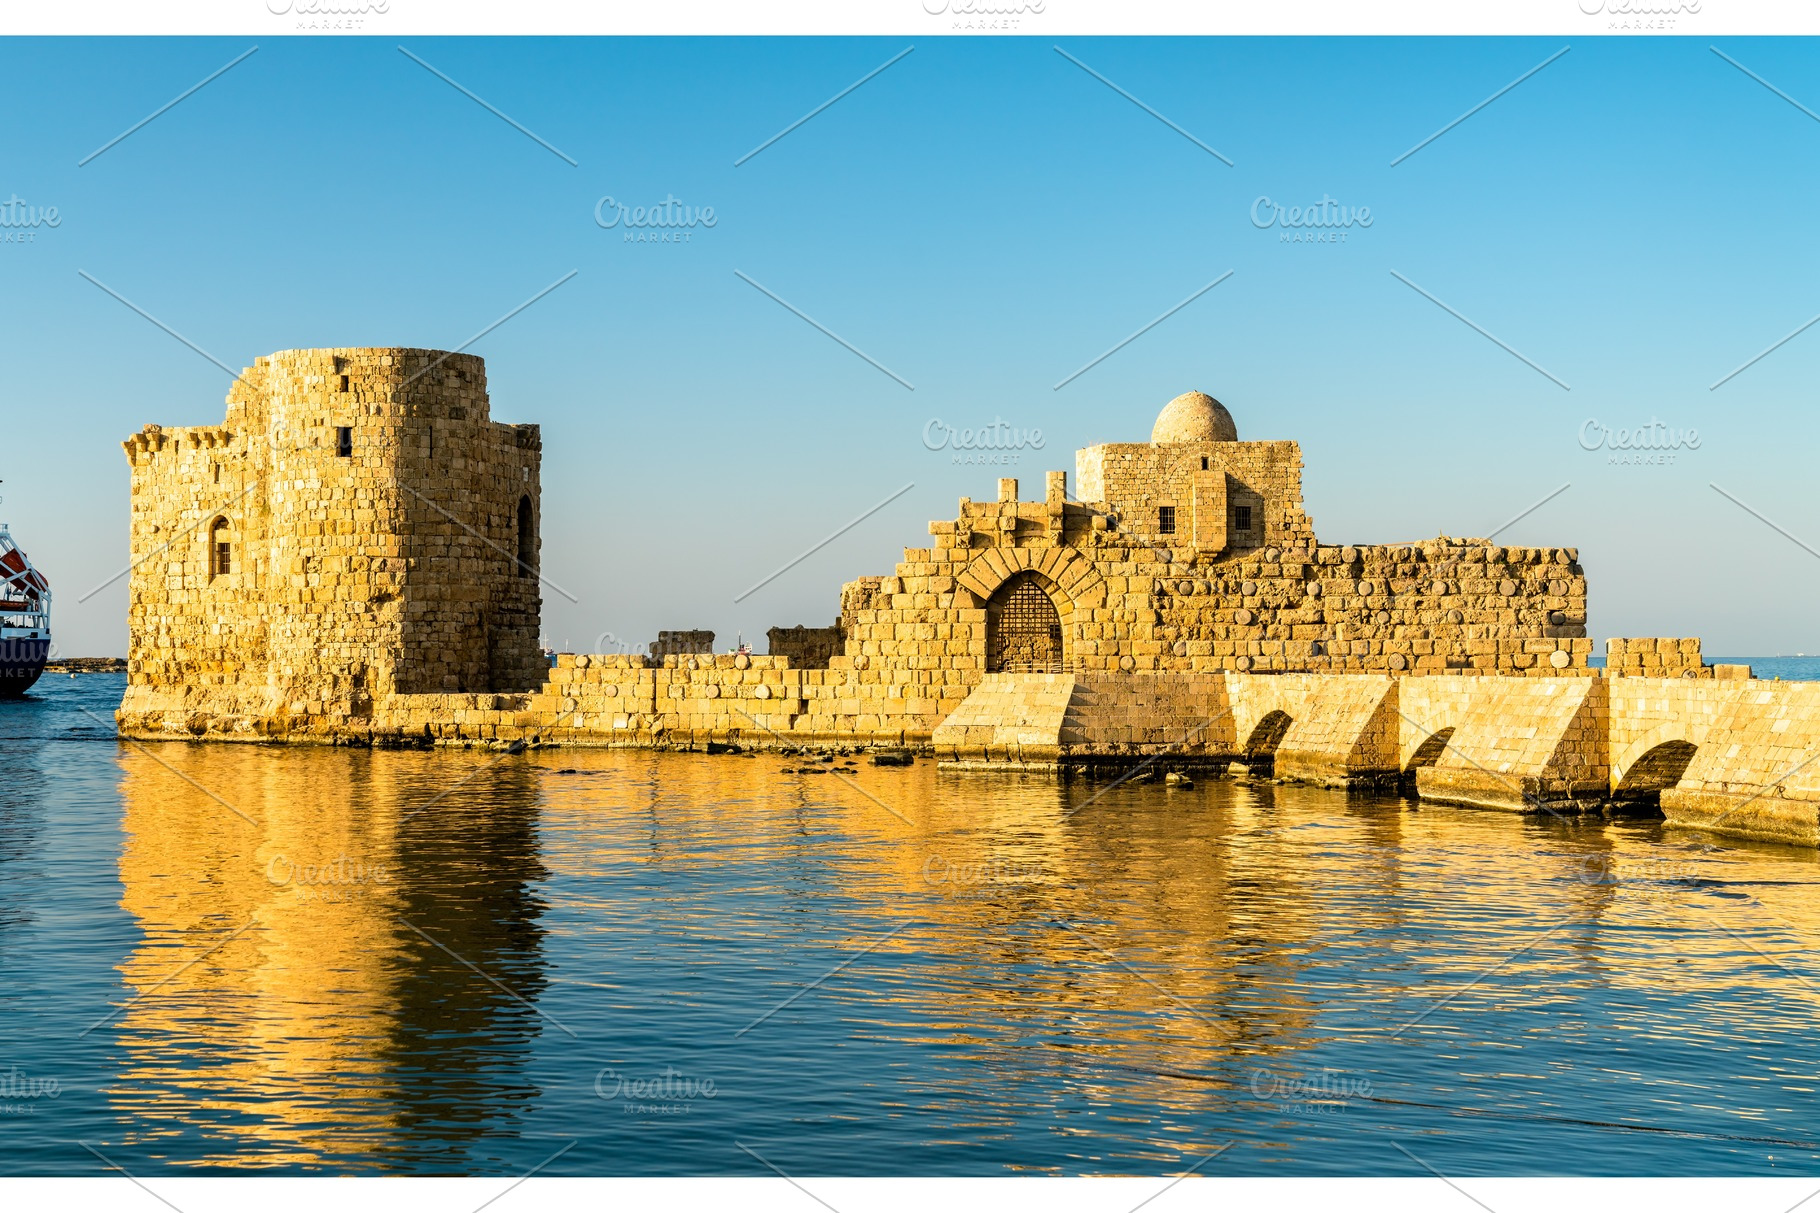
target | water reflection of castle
x=283, y=1009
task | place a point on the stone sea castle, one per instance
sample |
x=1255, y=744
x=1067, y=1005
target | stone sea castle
x=353, y=557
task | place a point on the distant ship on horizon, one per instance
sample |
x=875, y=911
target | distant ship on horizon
x=25, y=619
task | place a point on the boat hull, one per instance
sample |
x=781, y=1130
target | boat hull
x=22, y=660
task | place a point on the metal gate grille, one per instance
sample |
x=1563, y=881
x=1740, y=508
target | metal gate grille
x=1023, y=630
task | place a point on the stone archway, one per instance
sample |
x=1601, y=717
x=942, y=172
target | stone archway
x=1653, y=772
x=1023, y=627
x=1426, y=755
x=1070, y=575
x=1261, y=747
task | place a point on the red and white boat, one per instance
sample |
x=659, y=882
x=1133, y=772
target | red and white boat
x=25, y=618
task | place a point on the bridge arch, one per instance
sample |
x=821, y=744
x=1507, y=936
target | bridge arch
x=1260, y=749
x=1424, y=755
x=1647, y=775
x=1640, y=767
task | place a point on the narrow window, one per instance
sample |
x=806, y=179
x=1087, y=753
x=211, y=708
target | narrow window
x=344, y=441
x=344, y=383
x=1241, y=517
x=1203, y=463
x=527, y=538
x=1165, y=520
x=217, y=473
x=221, y=549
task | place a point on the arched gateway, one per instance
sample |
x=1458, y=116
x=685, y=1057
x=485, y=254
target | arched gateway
x=1023, y=628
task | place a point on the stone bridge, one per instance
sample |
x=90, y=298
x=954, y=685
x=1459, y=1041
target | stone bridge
x=1735, y=756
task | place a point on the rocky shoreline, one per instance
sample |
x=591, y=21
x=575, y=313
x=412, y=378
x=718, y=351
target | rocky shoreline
x=86, y=665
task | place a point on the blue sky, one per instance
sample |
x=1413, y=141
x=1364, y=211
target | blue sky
x=982, y=218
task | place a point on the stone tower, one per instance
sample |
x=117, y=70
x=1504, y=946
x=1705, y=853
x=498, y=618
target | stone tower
x=357, y=528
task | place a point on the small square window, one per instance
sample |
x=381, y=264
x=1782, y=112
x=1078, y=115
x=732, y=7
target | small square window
x=344, y=441
x=1241, y=517
x=1165, y=520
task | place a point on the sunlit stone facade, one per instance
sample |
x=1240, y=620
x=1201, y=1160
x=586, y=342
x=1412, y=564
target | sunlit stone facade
x=357, y=527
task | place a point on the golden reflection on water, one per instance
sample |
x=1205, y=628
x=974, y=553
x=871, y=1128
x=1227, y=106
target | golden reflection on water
x=1152, y=943
x=280, y=974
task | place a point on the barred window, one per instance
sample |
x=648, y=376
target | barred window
x=221, y=549
x=1165, y=520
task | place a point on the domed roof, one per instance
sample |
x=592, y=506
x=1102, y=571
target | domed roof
x=1194, y=417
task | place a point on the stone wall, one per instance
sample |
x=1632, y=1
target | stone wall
x=1205, y=484
x=1526, y=745
x=1664, y=657
x=1128, y=602
x=1732, y=756
x=1655, y=657
x=373, y=518
x=682, y=643
x=1727, y=756
x=620, y=700
x=805, y=647
x=1192, y=554
x=1342, y=732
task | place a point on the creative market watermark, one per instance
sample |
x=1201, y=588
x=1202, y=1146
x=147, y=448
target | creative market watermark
x=979, y=878
x=1326, y=1093
x=1640, y=16
x=1328, y=221
x=20, y=220
x=339, y=879
x=329, y=15
x=610, y=644
x=671, y=221
x=1655, y=444
x=997, y=443
x=1653, y=878
x=670, y=1093
x=19, y=1091
x=984, y=16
